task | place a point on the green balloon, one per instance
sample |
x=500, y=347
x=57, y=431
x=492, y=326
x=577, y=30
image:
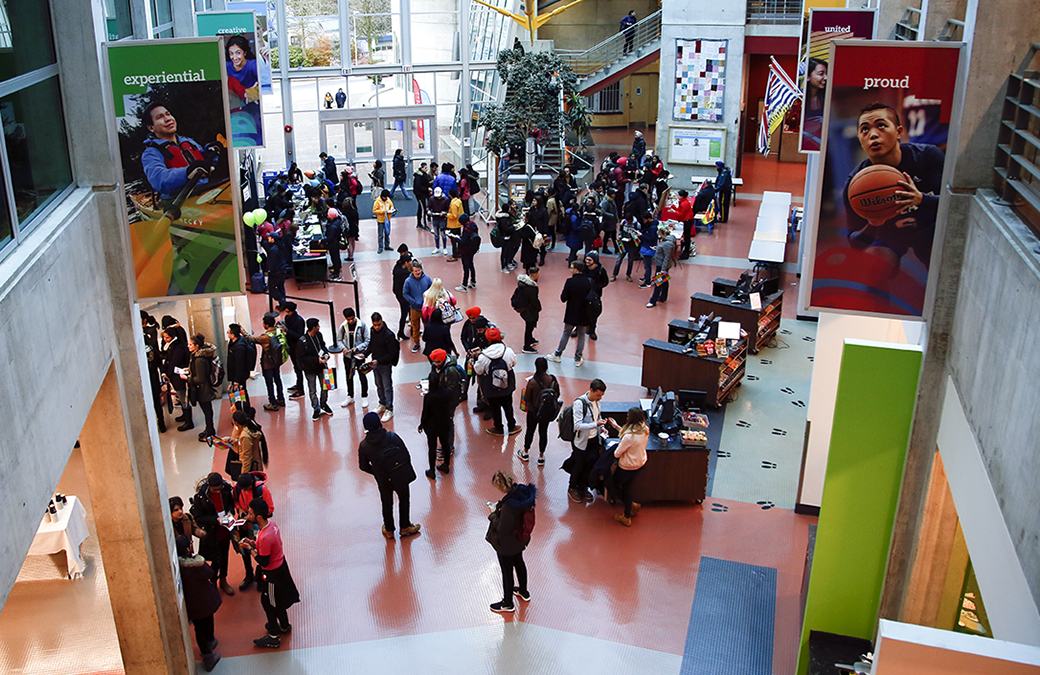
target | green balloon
x=248, y=219
x=259, y=258
x=259, y=215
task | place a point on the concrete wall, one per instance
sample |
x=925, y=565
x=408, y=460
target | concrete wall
x=712, y=20
x=993, y=360
x=58, y=342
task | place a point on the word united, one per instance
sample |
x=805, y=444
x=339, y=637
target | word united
x=886, y=82
x=837, y=29
x=164, y=78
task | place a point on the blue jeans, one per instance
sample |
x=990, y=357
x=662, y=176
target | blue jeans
x=384, y=385
x=273, y=378
x=660, y=293
x=440, y=233
x=384, y=234
x=401, y=185
x=648, y=263
x=567, y=329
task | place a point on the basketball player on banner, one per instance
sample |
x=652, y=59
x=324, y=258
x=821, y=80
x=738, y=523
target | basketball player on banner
x=892, y=197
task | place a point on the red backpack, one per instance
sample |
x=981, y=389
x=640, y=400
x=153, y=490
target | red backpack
x=525, y=526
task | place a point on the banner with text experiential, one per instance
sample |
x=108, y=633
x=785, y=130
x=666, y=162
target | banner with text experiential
x=886, y=123
x=825, y=26
x=171, y=116
x=243, y=76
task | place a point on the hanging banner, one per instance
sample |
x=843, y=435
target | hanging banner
x=825, y=26
x=243, y=76
x=181, y=202
x=886, y=123
x=264, y=36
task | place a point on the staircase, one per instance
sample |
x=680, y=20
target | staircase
x=609, y=61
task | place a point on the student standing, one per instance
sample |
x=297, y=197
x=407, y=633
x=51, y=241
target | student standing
x=382, y=209
x=526, y=303
x=383, y=454
x=509, y=532
x=385, y=352
x=542, y=389
x=631, y=455
x=277, y=589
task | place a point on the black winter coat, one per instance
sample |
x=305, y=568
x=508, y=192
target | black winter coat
x=637, y=205
x=598, y=278
x=176, y=356
x=437, y=410
x=506, y=518
x=421, y=184
x=384, y=347
x=199, y=388
x=575, y=294
x=438, y=336
x=528, y=253
x=238, y=361
x=309, y=351
x=205, y=515
x=295, y=327
x=399, y=170
x=401, y=275
x=370, y=452
x=201, y=597
x=526, y=295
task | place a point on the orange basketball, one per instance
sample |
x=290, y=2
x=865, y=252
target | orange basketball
x=872, y=192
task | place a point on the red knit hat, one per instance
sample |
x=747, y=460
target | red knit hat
x=493, y=334
x=473, y=312
x=438, y=355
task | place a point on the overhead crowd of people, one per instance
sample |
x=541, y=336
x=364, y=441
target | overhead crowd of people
x=624, y=211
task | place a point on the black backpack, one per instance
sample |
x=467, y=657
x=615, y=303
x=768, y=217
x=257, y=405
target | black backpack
x=250, y=353
x=546, y=405
x=517, y=301
x=499, y=379
x=394, y=456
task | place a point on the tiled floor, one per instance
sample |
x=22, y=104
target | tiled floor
x=605, y=598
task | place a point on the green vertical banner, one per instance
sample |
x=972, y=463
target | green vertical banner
x=243, y=77
x=873, y=410
x=171, y=117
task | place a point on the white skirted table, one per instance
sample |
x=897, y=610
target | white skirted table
x=64, y=535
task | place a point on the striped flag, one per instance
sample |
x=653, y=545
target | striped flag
x=709, y=213
x=781, y=92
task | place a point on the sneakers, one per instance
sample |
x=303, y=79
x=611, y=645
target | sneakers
x=271, y=407
x=506, y=270
x=515, y=429
x=523, y=455
x=575, y=496
x=555, y=358
x=502, y=608
x=462, y=289
x=651, y=304
x=472, y=284
x=210, y=661
x=431, y=474
x=495, y=431
x=387, y=533
x=578, y=361
x=628, y=277
x=296, y=393
x=530, y=350
x=613, y=277
x=541, y=460
x=410, y=530
x=381, y=409
x=268, y=641
x=592, y=335
x=284, y=630
x=246, y=583
x=346, y=403
x=435, y=251
x=523, y=595
x=588, y=496
x=387, y=415
x=644, y=286
x=415, y=349
x=280, y=403
x=326, y=410
x=317, y=414
x=635, y=508
x=336, y=278
x=620, y=517
x=364, y=401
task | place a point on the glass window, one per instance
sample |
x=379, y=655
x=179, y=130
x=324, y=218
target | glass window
x=6, y=233
x=434, y=36
x=37, y=149
x=117, y=19
x=26, y=40
x=375, y=32
x=161, y=12
x=313, y=31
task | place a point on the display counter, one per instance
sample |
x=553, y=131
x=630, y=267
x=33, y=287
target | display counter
x=760, y=325
x=672, y=472
x=675, y=367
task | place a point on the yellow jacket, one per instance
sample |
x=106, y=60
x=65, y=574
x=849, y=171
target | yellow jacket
x=381, y=209
x=454, y=211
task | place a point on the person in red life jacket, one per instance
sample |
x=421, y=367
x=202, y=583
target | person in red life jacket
x=169, y=160
x=250, y=486
x=277, y=590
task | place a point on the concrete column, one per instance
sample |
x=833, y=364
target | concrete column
x=995, y=48
x=183, y=18
x=135, y=539
x=938, y=12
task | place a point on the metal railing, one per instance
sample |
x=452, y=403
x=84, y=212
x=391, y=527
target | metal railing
x=908, y=27
x=951, y=31
x=774, y=11
x=615, y=47
x=1017, y=162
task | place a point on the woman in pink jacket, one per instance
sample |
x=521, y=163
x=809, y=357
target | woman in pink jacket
x=631, y=454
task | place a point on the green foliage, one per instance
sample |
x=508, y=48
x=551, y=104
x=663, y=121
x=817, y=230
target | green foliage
x=533, y=82
x=579, y=118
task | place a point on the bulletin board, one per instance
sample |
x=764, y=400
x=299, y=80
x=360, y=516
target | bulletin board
x=696, y=145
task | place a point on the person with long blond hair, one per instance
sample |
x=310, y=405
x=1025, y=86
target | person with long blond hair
x=631, y=456
x=509, y=533
x=438, y=297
